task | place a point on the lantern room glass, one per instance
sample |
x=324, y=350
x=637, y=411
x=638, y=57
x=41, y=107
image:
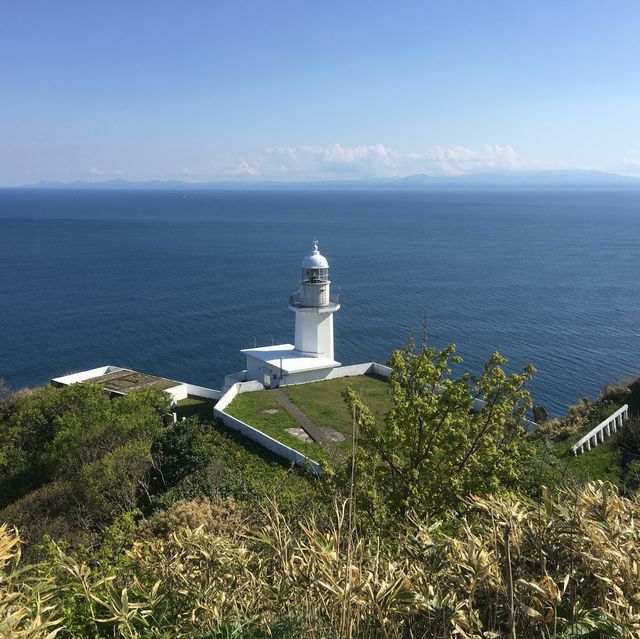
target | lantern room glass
x=315, y=275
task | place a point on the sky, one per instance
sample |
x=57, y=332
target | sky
x=302, y=90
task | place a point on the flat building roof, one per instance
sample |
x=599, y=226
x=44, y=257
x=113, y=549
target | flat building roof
x=126, y=381
x=286, y=357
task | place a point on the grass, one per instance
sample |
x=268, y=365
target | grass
x=251, y=408
x=322, y=402
x=601, y=462
x=198, y=406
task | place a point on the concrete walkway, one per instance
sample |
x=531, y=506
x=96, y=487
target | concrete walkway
x=315, y=432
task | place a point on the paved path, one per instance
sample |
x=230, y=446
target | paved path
x=315, y=432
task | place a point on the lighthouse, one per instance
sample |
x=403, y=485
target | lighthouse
x=311, y=357
x=314, y=307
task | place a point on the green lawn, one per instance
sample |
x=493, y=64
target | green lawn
x=251, y=408
x=323, y=403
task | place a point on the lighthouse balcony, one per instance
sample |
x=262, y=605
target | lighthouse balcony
x=325, y=302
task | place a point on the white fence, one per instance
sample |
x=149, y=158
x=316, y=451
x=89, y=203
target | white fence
x=601, y=431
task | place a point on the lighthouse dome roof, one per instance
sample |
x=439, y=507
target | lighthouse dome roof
x=314, y=259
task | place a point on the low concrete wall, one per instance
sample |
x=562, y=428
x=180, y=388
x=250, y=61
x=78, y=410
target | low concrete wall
x=271, y=444
x=527, y=424
x=306, y=377
x=233, y=378
x=177, y=392
x=182, y=391
x=353, y=370
x=350, y=371
x=201, y=391
x=382, y=370
x=74, y=378
x=236, y=389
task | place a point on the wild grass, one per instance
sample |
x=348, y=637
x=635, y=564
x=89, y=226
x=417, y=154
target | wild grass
x=565, y=567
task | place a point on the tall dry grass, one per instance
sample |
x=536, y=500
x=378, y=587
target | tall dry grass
x=510, y=567
x=27, y=607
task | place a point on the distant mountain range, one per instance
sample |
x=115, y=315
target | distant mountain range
x=558, y=179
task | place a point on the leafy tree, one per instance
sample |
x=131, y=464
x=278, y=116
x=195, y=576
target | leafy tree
x=182, y=449
x=98, y=425
x=435, y=446
x=98, y=448
x=110, y=486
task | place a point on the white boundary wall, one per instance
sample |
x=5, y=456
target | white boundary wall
x=602, y=431
x=527, y=424
x=233, y=378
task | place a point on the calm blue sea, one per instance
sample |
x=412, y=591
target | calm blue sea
x=176, y=283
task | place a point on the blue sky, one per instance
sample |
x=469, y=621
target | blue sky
x=315, y=90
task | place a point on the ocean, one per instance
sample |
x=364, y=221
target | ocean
x=177, y=282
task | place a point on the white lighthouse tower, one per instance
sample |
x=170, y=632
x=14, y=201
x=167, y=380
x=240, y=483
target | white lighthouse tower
x=311, y=357
x=314, y=307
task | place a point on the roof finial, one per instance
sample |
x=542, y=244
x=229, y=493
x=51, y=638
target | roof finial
x=315, y=246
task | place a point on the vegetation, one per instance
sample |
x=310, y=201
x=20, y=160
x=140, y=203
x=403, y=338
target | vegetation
x=72, y=461
x=195, y=407
x=262, y=411
x=546, y=454
x=445, y=522
x=566, y=567
x=323, y=403
x=433, y=448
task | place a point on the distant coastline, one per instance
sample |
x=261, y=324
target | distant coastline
x=516, y=180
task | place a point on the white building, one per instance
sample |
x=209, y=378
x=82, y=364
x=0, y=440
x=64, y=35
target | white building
x=311, y=357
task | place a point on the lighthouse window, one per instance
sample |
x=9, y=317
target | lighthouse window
x=316, y=275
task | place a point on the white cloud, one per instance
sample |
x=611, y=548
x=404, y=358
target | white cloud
x=461, y=160
x=630, y=164
x=372, y=160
